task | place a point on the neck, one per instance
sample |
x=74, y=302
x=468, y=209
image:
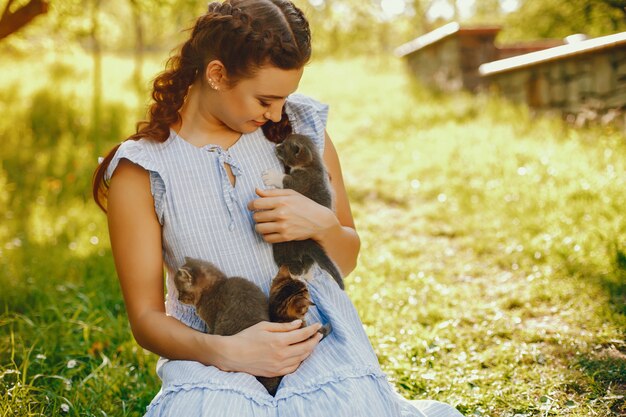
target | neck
x=198, y=124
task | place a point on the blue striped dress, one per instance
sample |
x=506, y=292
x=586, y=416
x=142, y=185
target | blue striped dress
x=203, y=216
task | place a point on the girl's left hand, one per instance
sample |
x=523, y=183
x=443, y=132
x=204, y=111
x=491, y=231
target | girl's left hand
x=283, y=215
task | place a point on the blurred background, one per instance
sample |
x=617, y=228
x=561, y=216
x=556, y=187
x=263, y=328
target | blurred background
x=491, y=212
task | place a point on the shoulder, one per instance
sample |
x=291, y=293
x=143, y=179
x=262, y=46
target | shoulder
x=308, y=117
x=129, y=187
x=140, y=152
x=305, y=107
x=136, y=171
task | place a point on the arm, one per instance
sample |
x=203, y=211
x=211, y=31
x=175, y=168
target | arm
x=266, y=349
x=340, y=240
x=284, y=215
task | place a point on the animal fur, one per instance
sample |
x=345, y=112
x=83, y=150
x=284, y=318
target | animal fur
x=308, y=176
x=229, y=305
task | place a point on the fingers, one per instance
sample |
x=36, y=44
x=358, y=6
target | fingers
x=274, y=192
x=273, y=232
x=275, y=238
x=271, y=228
x=266, y=203
x=281, y=327
x=303, y=349
x=270, y=198
x=280, y=213
x=300, y=335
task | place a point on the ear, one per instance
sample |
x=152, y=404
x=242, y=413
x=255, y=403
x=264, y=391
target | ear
x=184, y=276
x=309, y=154
x=215, y=75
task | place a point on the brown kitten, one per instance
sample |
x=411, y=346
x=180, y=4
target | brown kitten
x=227, y=305
x=290, y=300
x=308, y=176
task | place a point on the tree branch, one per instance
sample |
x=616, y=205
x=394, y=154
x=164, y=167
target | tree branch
x=11, y=22
x=6, y=9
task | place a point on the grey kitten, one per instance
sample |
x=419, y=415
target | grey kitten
x=307, y=175
x=227, y=305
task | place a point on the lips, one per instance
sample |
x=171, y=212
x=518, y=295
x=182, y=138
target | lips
x=258, y=123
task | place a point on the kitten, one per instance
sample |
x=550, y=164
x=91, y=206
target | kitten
x=306, y=175
x=290, y=300
x=229, y=305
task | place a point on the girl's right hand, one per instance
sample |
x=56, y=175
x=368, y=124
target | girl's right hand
x=268, y=349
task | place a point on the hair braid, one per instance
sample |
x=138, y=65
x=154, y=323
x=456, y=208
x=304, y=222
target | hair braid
x=244, y=35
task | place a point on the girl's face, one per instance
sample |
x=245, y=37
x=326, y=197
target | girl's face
x=253, y=101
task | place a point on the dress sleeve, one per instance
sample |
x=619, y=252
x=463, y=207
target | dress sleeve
x=308, y=117
x=136, y=152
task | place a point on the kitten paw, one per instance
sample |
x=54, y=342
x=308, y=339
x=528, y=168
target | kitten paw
x=273, y=177
x=325, y=330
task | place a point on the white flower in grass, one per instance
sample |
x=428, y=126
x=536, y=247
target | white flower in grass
x=71, y=363
x=65, y=408
x=41, y=357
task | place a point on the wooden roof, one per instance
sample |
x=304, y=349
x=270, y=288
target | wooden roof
x=441, y=33
x=552, y=54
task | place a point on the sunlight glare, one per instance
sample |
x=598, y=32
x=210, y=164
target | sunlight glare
x=509, y=6
x=393, y=7
x=440, y=10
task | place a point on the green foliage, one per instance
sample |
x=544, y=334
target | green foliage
x=491, y=274
x=64, y=336
x=341, y=28
x=558, y=19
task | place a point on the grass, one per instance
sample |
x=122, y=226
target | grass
x=492, y=267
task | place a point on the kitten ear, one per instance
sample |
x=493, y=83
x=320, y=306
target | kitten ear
x=184, y=276
x=298, y=150
x=309, y=154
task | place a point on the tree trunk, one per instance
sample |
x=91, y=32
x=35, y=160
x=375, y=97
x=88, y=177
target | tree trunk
x=139, y=47
x=11, y=22
x=96, y=53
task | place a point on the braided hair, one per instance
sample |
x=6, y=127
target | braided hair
x=244, y=35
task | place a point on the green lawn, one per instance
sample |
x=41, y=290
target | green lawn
x=493, y=265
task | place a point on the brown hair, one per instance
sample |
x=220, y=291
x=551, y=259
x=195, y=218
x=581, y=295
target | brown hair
x=244, y=35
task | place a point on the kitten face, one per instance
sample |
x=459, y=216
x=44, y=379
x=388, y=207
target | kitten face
x=289, y=297
x=194, y=277
x=295, y=151
x=188, y=292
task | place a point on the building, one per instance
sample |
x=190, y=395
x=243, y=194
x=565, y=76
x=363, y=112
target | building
x=448, y=58
x=571, y=75
x=583, y=75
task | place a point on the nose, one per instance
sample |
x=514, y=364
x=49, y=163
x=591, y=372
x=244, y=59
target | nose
x=275, y=112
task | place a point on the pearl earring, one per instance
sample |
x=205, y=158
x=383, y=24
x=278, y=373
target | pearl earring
x=213, y=85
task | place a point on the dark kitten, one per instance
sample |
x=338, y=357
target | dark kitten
x=308, y=176
x=229, y=305
x=290, y=300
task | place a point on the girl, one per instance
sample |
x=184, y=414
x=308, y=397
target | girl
x=189, y=183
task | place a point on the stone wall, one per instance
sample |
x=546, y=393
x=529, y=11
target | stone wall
x=448, y=58
x=592, y=81
x=582, y=78
x=473, y=51
x=438, y=65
